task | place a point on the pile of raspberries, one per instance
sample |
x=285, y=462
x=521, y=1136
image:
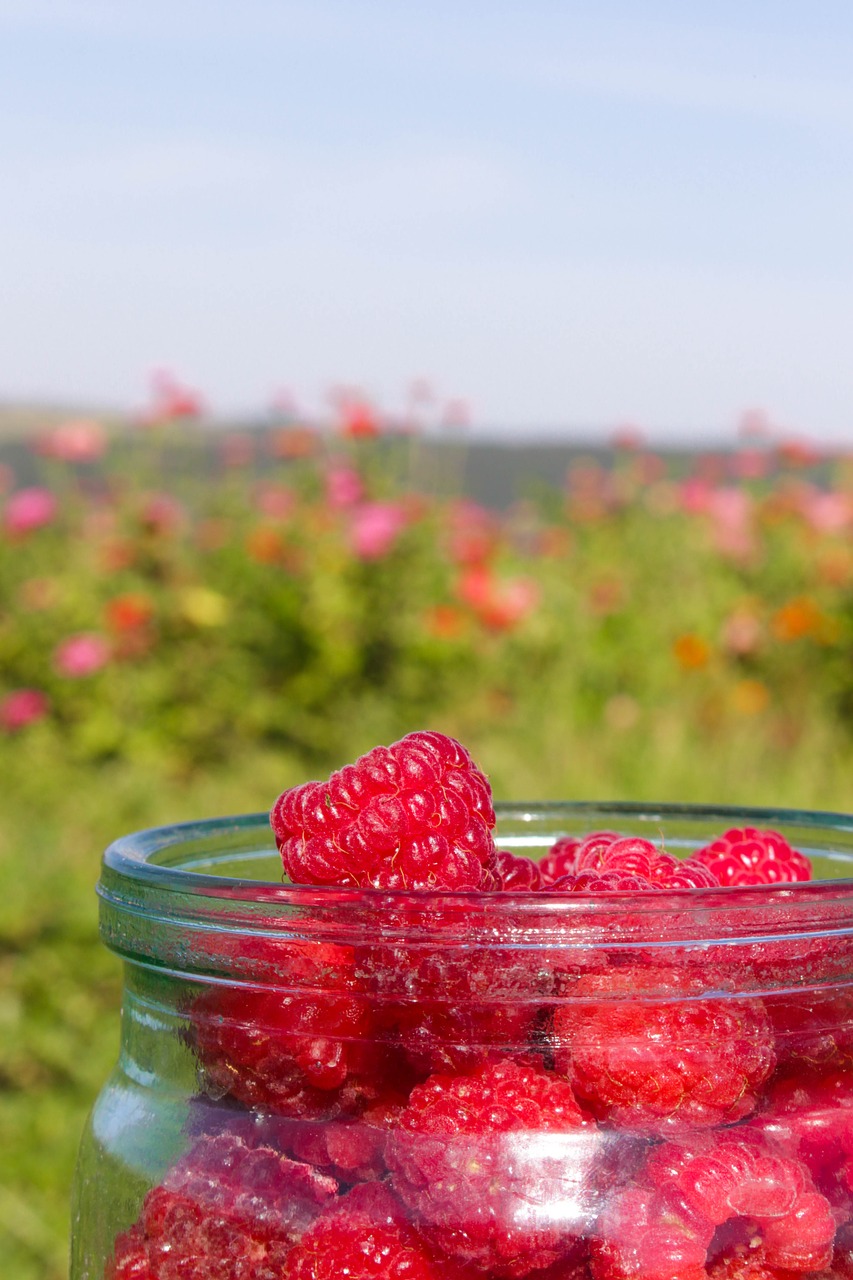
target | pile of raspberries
x=398, y=1110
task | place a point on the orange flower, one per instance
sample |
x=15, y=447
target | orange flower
x=444, y=621
x=691, y=651
x=128, y=612
x=799, y=619
x=265, y=545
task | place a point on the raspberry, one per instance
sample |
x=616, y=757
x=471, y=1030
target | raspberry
x=354, y=1149
x=364, y=1236
x=635, y=865
x=559, y=860
x=661, y=1064
x=308, y=1047
x=811, y=1117
x=415, y=815
x=749, y=856
x=224, y=1211
x=615, y=881
x=731, y=1174
x=467, y=1004
x=495, y=1166
x=814, y=1028
x=516, y=873
x=639, y=1237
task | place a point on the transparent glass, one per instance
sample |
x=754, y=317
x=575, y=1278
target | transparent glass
x=568, y=1087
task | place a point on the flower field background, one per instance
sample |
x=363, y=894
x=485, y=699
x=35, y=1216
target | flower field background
x=191, y=620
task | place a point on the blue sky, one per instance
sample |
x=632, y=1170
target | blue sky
x=571, y=215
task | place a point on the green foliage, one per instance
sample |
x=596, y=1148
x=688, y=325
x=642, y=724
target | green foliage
x=634, y=634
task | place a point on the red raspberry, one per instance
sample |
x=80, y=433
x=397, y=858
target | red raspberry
x=307, y=1047
x=464, y=1005
x=495, y=1166
x=661, y=1064
x=415, y=815
x=224, y=1211
x=639, y=1237
x=749, y=856
x=364, y=1236
x=353, y=1149
x=736, y=1174
x=810, y=1117
x=615, y=881
x=559, y=860
x=515, y=873
x=814, y=1028
x=635, y=864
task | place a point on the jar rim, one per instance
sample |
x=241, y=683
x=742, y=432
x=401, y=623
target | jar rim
x=158, y=895
x=132, y=856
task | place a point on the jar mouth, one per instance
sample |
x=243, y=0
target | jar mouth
x=163, y=887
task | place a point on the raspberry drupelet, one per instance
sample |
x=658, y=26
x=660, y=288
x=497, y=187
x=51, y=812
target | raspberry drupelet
x=415, y=815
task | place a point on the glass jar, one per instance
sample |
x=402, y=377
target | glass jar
x=329, y=1082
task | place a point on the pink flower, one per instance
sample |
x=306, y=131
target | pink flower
x=500, y=604
x=694, y=495
x=730, y=510
x=172, y=400
x=20, y=708
x=375, y=527
x=78, y=440
x=162, y=514
x=29, y=509
x=343, y=487
x=275, y=501
x=81, y=655
x=826, y=512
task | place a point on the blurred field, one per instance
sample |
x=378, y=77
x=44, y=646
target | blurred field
x=194, y=626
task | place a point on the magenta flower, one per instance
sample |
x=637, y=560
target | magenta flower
x=81, y=655
x=29, y=509
x=20, y=708
x=343, y=487
x=375, y=528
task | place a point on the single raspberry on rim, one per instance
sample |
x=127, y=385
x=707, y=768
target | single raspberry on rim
x=747, y=856
x=484, y=1193
x=415, y=815
x=225, y=1211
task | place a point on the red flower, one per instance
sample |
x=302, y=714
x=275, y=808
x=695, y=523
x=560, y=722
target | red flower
x=20, y=708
